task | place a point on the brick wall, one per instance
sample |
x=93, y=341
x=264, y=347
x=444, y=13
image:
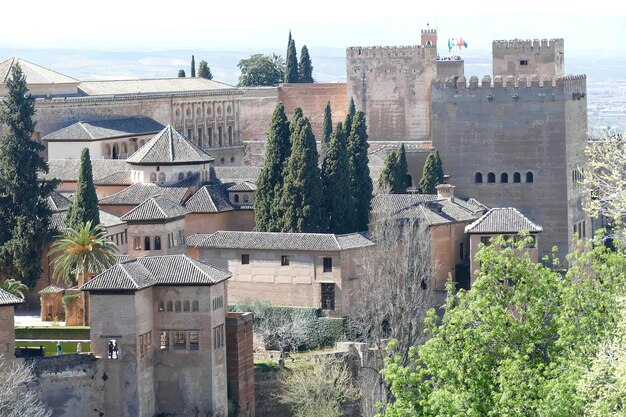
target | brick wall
x=240, y=360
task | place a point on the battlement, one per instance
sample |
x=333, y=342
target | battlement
x=525, y=44
x=360, y=52
x=575, y=84
x=429, y=31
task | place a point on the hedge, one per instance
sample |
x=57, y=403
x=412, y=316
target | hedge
x=53, y=333
x=51, y=347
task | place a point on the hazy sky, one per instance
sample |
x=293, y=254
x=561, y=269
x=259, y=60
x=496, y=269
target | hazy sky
x=256, y=24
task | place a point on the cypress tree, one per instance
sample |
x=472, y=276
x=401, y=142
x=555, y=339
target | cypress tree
x=360, y=180
x=204, y=71
x=432, y=175
x=327, y=130
x=181, y=73
x=349, y=117
x=84, y=208
x=386, y=178
x=336, y=183
x=270, y=180
x=305, y=68
x=302, y=191
x=24, y=213
x=193, y=66
x=291, y=69
x=401, y=171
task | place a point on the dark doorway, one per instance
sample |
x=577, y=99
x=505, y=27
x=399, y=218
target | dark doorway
x=328, y=296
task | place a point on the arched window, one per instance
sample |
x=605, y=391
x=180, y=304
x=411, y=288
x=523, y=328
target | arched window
x=116, y=152
x=409, y=181
x=181, y=176
x=185, y=305
x=142, y=142
x=221, y=161
x=161, y=176
x=135, y=147
x=236, y=198
x=517, y=178
x=245, y=198
x=170, y=306
x=177, y=307
x=161, y=305
x=146, y=243
x=478, y=178
x=107, y=151
x=504, y=177
x=153, y=177
x=137, y=243
x=230, y=135
x=491, y=177
x=124, y=149
x=189, y=174
x=195, y=306
x=157, y=243
x=529, y=177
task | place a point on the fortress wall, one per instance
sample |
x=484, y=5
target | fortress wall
x=544, y=57
x=256, y=106
x=505, y=128
x=450, y=68
x=392, y=86
x=312, y=98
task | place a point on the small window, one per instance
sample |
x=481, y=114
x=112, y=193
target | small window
x=195, y=306
x=153, y=177
x=529, y=177
x=162, y=177
x=236, y=198
x=186, y=306
x=504, y=178
x=230, y=135
x=161, y=305
x=181, y=176
x=137, y=243
x=189, y=174
x=189, y=134
x=245, y=258
x=245, y=198
x=210, y=136
x=485, y=240
x=478, y=178
x=221, y=160
x=146, y=243
x=218, y=336
x=170, y=306
x=180, y=340
x=194, y=340
x=328, y=264
x=491, y=178
x=177, y=306
x=328, y=296
x=199, y=136
x=584, y=231
x=284, y=260
x=517, y=178
x=461, y=251
x=523, y=62
x=164, y=340
x=157, y=243
x=232, y=159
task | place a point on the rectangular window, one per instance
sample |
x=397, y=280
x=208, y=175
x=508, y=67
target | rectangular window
x=523, y=62
x=328, y=264
x=137, y=243
x=194, y=340
x=189, y=134
x=584, y=231
x=485, y=240
x=164, y=339
x=245, y=259
x=210, y=136
x=219, y=135
x=461, y=251
x=218, y=336
x=284, y=260
x=199, y=138
x=218, y=302
x=181, y=237
x=328, y=296
x=145, y=344
x=180, y=340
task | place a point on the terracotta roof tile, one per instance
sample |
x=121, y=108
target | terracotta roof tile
x=169, y=147
x=503, y=220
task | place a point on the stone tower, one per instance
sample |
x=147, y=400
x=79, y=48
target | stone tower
x=429, y=37
x=525, y=57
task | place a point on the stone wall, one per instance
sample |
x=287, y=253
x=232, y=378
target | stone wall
x=240, y=359
x=525, y=57
x=256, y=107
x=7, y=331
x=450, y=68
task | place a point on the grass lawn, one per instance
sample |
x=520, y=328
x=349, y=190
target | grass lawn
x=51, y=346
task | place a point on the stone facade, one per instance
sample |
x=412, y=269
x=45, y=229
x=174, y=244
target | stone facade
x=519, y=57
x=7, y=331
x=240, y=360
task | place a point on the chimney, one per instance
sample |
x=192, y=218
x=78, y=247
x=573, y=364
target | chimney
x=445, y=192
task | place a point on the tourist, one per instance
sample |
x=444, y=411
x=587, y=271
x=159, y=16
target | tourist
x=59, y=349
x=79, y=348
x=110, y=349
x=117, y=356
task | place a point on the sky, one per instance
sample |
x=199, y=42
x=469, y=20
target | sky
x=126, y=25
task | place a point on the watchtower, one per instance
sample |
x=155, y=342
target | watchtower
x=519, y=57
x=429, y=37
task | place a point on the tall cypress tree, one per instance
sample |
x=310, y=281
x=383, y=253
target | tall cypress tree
x=432, y=174
x=336, y=183
x=24, y=213
x=291, y=68
x=401, y=171
x=305, y=68
x=360, y=180
x=327, y=130
x=84, y=208
x=270, y=181
x=386, y=178
x=302, y=190
x=351, y=111
x=193, y=66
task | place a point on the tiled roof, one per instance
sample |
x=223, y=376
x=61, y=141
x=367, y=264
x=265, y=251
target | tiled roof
x=151, y=86
x=117, y=178
x=50, y=289
x=208, y=199
x=35, y=74
x=155, y=208
x=244, y=186
x=503, y=220
x=58, y=202
x=236, y=174
x=107, y=219
x=104, y=129
x=8, y=298
x=67, y=169
x=139, y=273
x=138, y=193
x=169, y=147
x=277, y=241
x=394, y=203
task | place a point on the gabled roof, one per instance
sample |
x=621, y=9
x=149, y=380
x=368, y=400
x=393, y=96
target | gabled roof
x=151, y=86
x=168, y=147
x=208, y=199
x=51, y=289
x=57, y=222
x=117, y=178
x=8, y=298
x=394, y=203
x=138, y=193
x=68, y=169
x=35, y=74
x=244, y=186
x=279, y=241
x=58, y=202
x=503, y=220
x=105, y=129
x=155, y=208
x=136, y=274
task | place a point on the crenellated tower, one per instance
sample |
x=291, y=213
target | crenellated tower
x=519, y=57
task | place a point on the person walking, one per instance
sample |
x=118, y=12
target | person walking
x=59, y=348
x=110, y=349
x=79, y=348
x=117, y=356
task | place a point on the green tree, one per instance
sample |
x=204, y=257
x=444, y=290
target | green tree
x=181, y=73
x=318, y=389
x=270, y=181
x=360, y=180
x=84, y=207
x=432, y=175
x=261, y=70
x=336, y=183
x=393, y=177
x=15, y=287
x=327, y=130
x=291, y=69
x=204, y=71
x=305, y=68
x=24, y=213
x=301, y=200
x=193, y=66
x=349, y=116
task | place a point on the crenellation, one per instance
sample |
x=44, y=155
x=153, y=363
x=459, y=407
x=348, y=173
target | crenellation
x=369, y=52
x=510, y=81
x=570, y=84
x=528, y=44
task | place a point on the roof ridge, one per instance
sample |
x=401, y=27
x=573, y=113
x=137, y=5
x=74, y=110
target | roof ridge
x=171, y=136
x=153, y=198
x=82, y=124
x=130, y=277
x=336, y=241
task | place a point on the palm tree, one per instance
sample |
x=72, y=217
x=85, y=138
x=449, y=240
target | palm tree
x=15, y=287
x=80, y=250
